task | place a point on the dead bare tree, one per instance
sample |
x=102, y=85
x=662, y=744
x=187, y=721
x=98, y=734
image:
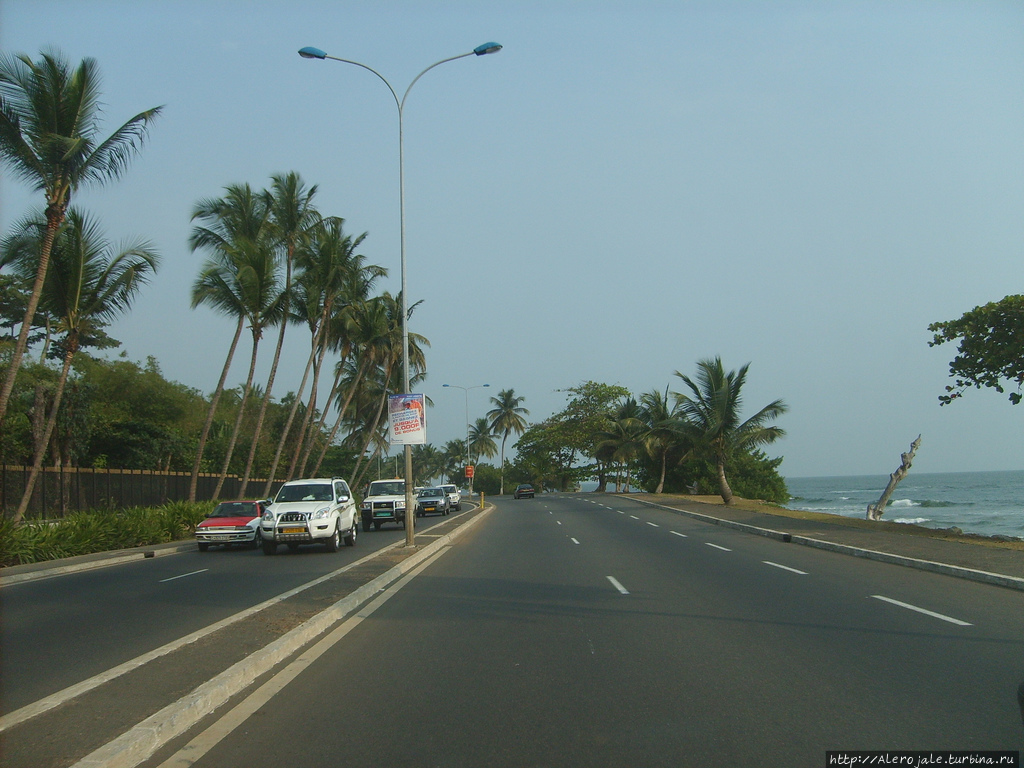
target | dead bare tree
x=906, y=459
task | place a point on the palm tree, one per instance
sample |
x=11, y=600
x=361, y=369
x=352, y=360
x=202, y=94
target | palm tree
x=481, y=439
x=239, y=216
x=507, y=417
x=711, y=413
x=88, y=286
x=292, y=218
x=663, y=434
x=623, y=438
x=245, y=273
x=49, y=118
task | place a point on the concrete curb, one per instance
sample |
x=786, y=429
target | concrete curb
x=142, y=741
x=102, y=560
x=998, y=579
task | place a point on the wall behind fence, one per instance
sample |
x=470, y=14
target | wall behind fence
x=62, y=490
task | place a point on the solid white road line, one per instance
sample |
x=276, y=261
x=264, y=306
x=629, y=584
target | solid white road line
x=677, y=533
x=654, y=525
x=54, y=700
x=182, y=576
x=724, y=549
x=617, y=585
x=784, y=567
x=934, y=615
x=219, y=730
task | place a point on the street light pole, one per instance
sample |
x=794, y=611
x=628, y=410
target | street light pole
x=480, y=50
x=466, y=390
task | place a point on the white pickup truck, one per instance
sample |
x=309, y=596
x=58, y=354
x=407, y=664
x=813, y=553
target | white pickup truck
x=384, y=503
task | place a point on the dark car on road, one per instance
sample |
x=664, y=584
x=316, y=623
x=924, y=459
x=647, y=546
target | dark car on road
x=433, y=500
x=523, y=491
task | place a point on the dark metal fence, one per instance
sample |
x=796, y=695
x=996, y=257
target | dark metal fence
x=62, y=490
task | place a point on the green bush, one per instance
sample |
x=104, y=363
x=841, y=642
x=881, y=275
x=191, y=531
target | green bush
x=86, y=532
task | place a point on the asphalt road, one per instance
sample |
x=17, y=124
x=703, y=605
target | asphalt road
x=564, y=632
x=57, y=632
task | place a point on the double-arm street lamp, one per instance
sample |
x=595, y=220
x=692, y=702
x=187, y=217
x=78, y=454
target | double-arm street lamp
x=466, y=390
x=480, y=50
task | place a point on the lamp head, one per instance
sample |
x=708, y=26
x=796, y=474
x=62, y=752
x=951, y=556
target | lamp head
x=482, y=50
x=312, y=53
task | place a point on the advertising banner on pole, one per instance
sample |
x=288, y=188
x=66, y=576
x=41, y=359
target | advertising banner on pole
x=408, y=418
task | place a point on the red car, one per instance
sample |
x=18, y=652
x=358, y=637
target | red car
x=232, y=522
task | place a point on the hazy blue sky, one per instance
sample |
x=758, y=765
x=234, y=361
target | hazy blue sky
x=624, y=189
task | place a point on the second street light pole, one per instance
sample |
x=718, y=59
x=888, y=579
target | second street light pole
x=480, y=50
x=466, y=390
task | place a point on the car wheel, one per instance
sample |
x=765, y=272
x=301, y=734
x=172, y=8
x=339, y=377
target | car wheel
x=269, y=548
x=203, y=546
x=366, y=525
x=350, y=539
x=332, y=543
x=376, y=525
x=257, y=540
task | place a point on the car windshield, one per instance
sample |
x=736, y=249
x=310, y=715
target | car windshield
x=449, y=488
x=319, y=492
x=235, y=509
x=431, y=493
x=388, y=488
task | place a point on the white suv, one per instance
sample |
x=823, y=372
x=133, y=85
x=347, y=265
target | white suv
x=311, y=511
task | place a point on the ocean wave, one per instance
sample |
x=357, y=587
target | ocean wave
x=904, y=503
x=911, y=520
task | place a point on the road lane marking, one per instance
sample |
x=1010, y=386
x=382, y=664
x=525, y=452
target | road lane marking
x=573, y=540
x=219, y=730
x=784, y=567
x=677, y=533
x=182, y=576
x=558, y=521
x=934, y=615
x=617, y=585
x=634, y=517
x=47, y=703
x=724, y=549
x=654, y=525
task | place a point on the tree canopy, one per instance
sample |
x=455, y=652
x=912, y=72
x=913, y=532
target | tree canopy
x=990, y=352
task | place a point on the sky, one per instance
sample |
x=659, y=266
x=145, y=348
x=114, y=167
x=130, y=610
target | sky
x=624, y=189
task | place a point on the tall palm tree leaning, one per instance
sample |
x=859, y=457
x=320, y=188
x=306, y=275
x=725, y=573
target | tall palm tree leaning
x=507, y=417
x=49, y=119
x=241, y=214
x=292, y=217
x=711, y=417
x=88, y=286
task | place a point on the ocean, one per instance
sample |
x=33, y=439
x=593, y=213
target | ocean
x=986, y=503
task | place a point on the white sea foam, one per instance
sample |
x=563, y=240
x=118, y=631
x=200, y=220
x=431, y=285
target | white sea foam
x=904, y=503
x=911, y=520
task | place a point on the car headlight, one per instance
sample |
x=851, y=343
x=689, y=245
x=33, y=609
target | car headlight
x=400, y=504
x=268, y=516
x=321, y=513
x=365, y=505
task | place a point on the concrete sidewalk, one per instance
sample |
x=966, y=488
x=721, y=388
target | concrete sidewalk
x=979, y=558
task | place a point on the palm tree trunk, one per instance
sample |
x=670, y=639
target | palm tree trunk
x=194, y=481
x=263, y=412
x=306, y=443
x=288, y=426
x=661, y=480
x=238, y=419
x=341, y=413
x=37, y=462
x=54, y=218
x=501, y=487
x=723, y=484
x=369, y=437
